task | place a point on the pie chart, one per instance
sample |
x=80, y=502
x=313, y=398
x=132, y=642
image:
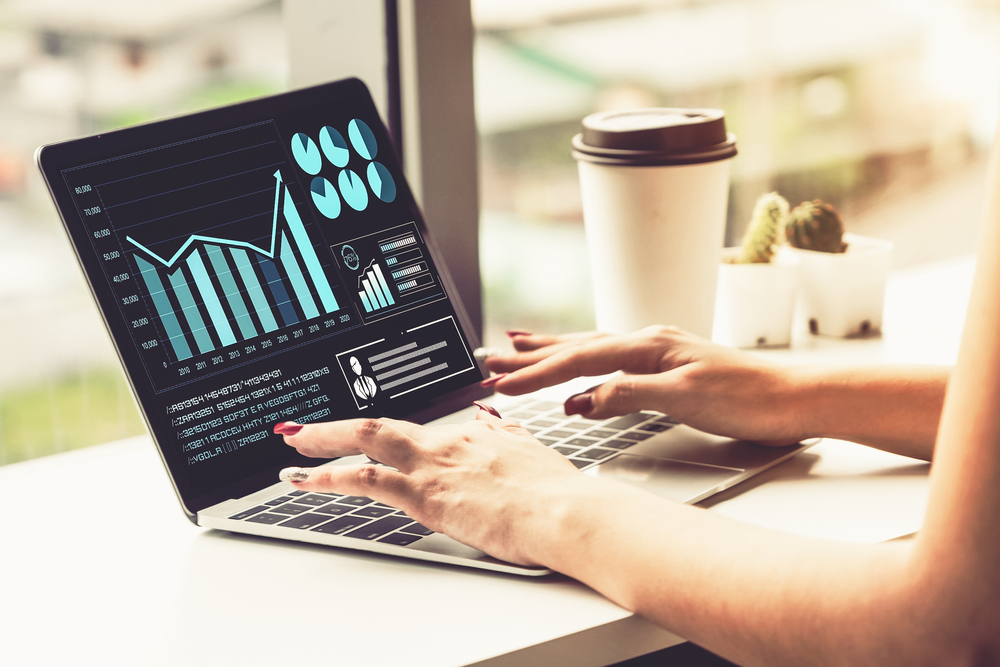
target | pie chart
x=306, y=154
x=324, y=196
x=381, y=182
x=362, y=139
x=334, y=146
x=353, y=189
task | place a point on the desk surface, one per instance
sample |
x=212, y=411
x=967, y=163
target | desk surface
x=106, y=570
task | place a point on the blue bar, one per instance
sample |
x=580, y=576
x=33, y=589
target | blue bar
x=278, y=291
x=231, y=290
x=308, y=254
x=385, y=288
x=260, y=303
x=364, y=300
x=191, y=313
x=210, y=298
x=163, y=308
x=373, y=294
x=299, y=285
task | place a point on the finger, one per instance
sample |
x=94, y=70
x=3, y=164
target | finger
x=386, y=440
x=529, y=342
x=601, y=356
x=379, y=483
x=485, y=415
x=622, y=395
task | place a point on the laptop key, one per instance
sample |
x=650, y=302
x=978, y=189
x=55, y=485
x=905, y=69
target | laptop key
x=400, y=539
x=355, y=500
x=378, y=528
x=342, y=525
x=628, y=421
x=333, y=509
x=291, y=508
x=581, y=442
x=566, y=451
x=635, y=435
x=306, y=521
x=313, y=499
x=601, y=433
x=297, y=493
x=267, y=517
x=580, y=464
x=547, y=441
x=416, y=529
x=618, y=443
x=542, y=423
x=279, y=501
x=561, y=434
x=596, y=454
x=656, y=427
x=250, y=512
x=373, y=511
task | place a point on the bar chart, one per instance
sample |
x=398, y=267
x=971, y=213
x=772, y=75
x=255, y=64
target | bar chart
x=392, y=270
x=216, y=259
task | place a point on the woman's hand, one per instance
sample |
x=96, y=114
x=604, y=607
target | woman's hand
x=483, y=483
x=709, y=387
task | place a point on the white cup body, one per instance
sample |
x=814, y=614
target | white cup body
x=654, y=237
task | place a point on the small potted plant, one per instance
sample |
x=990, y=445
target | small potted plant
x=757, y=282
x=842, y=276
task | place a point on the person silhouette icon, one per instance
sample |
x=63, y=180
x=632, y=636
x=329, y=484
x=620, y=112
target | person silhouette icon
x=364, y=386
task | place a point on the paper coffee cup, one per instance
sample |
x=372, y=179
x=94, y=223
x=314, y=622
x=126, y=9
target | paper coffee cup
x=655, y=185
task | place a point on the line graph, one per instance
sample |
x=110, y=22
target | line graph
x=213, y=251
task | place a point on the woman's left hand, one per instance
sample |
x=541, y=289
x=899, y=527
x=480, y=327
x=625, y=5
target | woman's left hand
x=482, y=482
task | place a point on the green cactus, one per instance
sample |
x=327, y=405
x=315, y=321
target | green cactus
x=765, y=230
x=816, y=226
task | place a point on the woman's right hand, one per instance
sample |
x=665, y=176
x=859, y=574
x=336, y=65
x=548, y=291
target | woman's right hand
x=707, y=386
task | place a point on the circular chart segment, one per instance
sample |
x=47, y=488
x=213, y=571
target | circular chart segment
x=306, y=154
x=353, y=190
x=363, y=139
x=334, y=146
x=381, y=182
x=324, y=196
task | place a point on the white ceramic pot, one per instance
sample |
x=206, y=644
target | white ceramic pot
x=842, y=294
x=754, y=303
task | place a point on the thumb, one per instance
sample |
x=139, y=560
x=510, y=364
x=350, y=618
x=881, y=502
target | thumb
x=621, y=395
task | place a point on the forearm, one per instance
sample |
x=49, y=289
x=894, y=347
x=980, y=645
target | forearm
x=895, y=408
x=753, y=596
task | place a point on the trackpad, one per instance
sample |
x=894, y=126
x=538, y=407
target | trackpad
x=677, y=480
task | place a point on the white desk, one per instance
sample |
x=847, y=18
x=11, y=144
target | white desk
x=107, y=571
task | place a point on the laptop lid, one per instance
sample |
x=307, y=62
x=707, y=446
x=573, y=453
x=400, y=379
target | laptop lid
x=259, y=263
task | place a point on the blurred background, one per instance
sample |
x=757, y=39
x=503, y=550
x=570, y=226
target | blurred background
x=884, y=108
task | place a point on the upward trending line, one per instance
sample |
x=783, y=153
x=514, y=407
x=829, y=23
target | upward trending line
x=244, y=244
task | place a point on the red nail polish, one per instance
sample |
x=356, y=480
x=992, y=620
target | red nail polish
x=580, y=404
x=287, y=428
x=513, y=333
x=490, y=381
x=489, y=408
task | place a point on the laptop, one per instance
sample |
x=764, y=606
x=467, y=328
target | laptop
x=266, y=262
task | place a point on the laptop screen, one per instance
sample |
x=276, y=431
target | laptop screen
x=257, y=264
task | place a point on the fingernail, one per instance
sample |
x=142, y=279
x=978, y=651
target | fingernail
x=489, y=408
x=490, y=381
x=512, y=333
x=580, y=404
x=287, y=428
x=294, y=475
x=482, y=352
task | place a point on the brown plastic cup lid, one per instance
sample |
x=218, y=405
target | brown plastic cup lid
x=655, y=137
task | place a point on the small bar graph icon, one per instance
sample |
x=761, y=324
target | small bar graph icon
x=374, y=292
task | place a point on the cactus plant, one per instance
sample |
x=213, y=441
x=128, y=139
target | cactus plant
x=765, y=230
x=815, y=225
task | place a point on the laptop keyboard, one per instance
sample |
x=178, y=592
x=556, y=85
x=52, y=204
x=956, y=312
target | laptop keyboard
x=584, y=442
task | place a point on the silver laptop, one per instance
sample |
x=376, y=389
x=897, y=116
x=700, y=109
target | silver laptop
x=265, y=262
